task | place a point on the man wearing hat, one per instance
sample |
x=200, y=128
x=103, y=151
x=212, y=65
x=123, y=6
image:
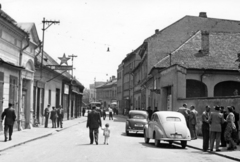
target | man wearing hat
x=93, y=123
x=60, y=114
x=215, y=121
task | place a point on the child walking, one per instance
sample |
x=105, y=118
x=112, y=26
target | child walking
x=106, y=133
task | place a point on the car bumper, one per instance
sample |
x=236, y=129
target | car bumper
x=175, y=139
x=135, y=130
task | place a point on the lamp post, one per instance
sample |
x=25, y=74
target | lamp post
x=48, y=23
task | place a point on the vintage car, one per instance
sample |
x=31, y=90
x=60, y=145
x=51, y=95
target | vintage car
x=167, y=126
x=136, y=121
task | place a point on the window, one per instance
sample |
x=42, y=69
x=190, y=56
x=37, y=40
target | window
x=137, y=116
x=13, y=90
x=49, y=97
x=173, y=119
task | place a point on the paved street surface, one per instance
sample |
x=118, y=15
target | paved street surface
x=72, y=145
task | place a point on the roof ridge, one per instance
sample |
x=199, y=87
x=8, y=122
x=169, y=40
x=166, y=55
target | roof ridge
x=174, y=51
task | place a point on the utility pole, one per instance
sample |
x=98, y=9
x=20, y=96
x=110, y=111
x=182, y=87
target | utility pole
x=48, y=23
x=72, y=56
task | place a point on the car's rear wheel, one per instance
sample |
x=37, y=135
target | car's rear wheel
x=145, y=137
x=156, y=141
x=183, y=144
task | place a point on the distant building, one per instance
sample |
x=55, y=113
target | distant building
x=92, y=90
x=107, y=93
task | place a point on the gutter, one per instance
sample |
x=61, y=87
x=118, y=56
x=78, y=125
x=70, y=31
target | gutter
x=20, y=83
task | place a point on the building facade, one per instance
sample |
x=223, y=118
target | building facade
x=107, y=93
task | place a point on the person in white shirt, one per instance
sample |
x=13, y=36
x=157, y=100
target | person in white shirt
x=106, y=133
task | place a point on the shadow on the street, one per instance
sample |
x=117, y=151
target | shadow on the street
x=88, y=144
x=119, y=119
x=133, y=135
x=161, y=145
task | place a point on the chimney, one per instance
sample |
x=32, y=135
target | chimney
x=205, y=42
x=156, y=31
x=203, y=14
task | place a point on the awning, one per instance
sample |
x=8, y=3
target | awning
x=2, y=62
x=79, y=93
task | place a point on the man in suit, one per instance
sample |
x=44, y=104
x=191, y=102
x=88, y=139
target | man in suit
x=205, y=128
x=46, y=114
x=215, y=121
x=60, y=115
x=10, y=117
x=185, y=111
x=94, y=122
x=53, y=117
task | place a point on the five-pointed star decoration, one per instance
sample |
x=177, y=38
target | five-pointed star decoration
x=64, y=59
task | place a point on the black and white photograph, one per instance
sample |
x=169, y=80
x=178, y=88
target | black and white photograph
x=119, y=80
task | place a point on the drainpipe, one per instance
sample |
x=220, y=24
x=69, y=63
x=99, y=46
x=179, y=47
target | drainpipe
x=40, y=49
x=20, y=84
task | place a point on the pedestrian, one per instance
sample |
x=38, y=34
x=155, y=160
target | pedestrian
x=215, y=120
x=93, y=123
x=185, y=111
x=235, y=135
x=192, y=123
x=150, y=112
x=110, y=113
x=106, y=133
x=53, y=117
x=155, y=109
x=60, y=114
x=9, y=117
x=231, y=127
x=83, y=111
x=104, y=114
x=46, y=115
x=223, y=142
x=205, y=128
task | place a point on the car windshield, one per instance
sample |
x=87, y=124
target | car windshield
x=175, y=119
x=137, y=116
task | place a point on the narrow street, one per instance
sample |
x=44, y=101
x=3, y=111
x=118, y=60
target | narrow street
x=73, y=145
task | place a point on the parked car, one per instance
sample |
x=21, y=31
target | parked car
x=167, y=126
x=136, y=121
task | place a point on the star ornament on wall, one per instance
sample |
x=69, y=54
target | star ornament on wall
x=64, y=59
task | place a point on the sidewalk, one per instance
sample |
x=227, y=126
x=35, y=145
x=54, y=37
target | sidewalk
x=197, y=144
x=27, y=135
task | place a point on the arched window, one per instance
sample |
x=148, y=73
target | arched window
x=227, y=88
x=195, y=88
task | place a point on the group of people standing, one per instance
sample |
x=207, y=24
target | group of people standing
x=190, y=115
x=220, y=126
x=56, y=115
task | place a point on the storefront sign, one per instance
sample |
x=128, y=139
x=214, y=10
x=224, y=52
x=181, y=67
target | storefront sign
x=66, y=89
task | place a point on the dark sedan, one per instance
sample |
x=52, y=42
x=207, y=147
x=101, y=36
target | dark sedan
x=136, y=121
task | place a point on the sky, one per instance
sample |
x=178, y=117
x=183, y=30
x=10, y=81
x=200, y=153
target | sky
x=89, y=27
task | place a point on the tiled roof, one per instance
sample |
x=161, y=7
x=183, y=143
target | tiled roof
x=108, y=84
x=223, y=50
x=173, y=36
x=30, y=28
x=9, y=19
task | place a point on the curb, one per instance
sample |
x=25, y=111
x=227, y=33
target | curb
x=21, y=143
x=211, y=152
x=39, y=137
